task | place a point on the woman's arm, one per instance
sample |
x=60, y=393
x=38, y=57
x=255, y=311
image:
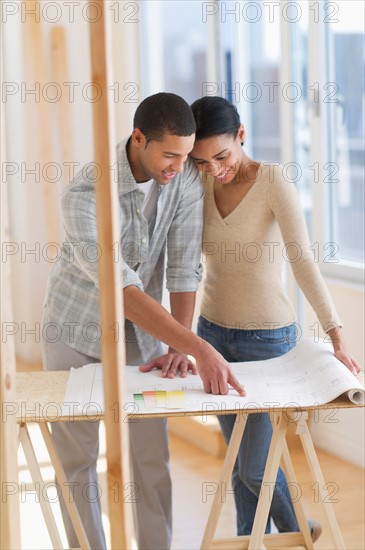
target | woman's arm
x=285, y=204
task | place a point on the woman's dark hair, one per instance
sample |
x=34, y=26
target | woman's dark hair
x=164, y=113
x=215, y=116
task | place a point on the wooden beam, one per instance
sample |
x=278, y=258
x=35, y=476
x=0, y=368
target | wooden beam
x=229, y=460
x=111, y=308
x=37, y=66
x=62, y=481
x=9, y=532
x=40, y=486
x=297, y=503
x=280, y=425
x=315, y=469
x=280, y=541
x=60, y=75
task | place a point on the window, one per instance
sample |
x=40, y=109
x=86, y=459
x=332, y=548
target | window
x=259, y=55
x=346, y=102
x=250, y=54
x=174, y=42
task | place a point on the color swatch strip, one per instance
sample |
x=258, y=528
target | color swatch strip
x=161, y=399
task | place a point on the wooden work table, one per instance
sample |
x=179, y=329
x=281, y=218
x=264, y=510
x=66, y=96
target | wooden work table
x=40, y=398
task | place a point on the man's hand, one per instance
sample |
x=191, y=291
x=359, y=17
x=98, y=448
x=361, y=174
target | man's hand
x=170, y=364
x=154, y=319
x=215, y=372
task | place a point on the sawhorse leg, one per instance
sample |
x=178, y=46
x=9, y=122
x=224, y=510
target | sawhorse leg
x=317, y=476
x=226, y=472
x=278, y=449
x=26, y=442
x=298, y=508
x=35, y=472
x=256, y=539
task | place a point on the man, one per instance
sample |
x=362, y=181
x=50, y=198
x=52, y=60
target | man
x=160, y=200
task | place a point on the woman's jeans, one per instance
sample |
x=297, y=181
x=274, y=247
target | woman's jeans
x=253, y=345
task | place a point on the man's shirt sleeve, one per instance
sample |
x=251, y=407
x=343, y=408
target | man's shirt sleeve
x=184, y=270
x=79, y=217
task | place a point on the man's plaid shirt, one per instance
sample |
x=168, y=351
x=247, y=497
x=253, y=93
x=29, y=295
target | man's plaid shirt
x=72, y=300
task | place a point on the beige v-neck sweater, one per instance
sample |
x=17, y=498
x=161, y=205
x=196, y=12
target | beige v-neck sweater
x=245, y=253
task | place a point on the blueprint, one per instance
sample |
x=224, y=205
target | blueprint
x=308, y=375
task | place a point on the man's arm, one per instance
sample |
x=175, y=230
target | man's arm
x=182, y=307
x=184, y=270
x=148, y=314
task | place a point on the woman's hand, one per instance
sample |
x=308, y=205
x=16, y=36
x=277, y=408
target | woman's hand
x=341, y=352
x=348, y=360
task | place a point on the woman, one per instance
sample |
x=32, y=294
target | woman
x=252, y=222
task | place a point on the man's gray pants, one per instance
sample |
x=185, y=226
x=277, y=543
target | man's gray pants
x=78, y=446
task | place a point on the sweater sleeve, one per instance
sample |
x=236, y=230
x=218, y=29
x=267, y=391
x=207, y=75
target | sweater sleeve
x=285, y=204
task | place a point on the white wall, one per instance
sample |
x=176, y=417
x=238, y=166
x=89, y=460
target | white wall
x=24, y=196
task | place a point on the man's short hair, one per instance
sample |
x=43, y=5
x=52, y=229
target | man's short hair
x=162, y=114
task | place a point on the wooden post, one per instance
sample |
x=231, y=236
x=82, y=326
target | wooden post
x=36, y=61
x=9, y=531
x=59, y=68
x=111, y=308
